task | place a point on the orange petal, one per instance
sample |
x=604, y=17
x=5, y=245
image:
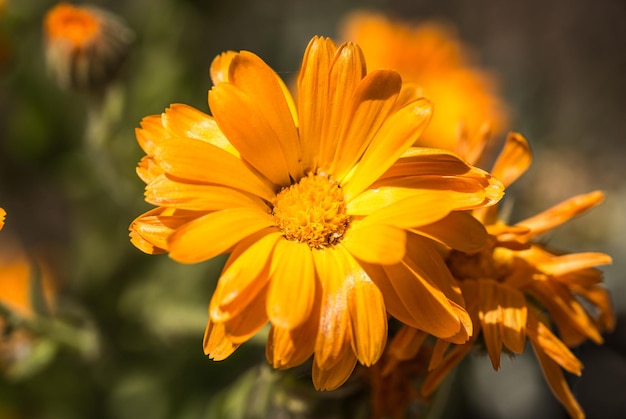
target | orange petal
x=253, y=136
x=249, y=321
x=558, y=384
x=368, y=317
x=215, y=233
x=334, y=326
x=346, y=71
x=313, y=91
x=557, y=215
x=148, y=169
x=184, y=121
x=371, y=104
x=513, y=160
x=397, y=133
x=490, y=315
x=288, y=348
x=292, y=287
x=170, y=192
x=245, y=274
x=334, y=376
x=220, y=65
x=541, y=337
x=430, y=309
x=151, y=230
x=375, y=243
x=215, y=343
x=262, y=86
x=458, y=230
x=406, y=343
x=199, y=161
x=151, y=134
x=562, y=265
x=566, y=311
x=407, y=208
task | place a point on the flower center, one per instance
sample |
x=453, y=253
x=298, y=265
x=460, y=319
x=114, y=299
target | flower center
x=490, y=263
x=312, y=211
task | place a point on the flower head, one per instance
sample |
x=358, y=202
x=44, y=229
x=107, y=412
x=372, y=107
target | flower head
x=85, y=45
x=3, y=214
x=516, y=289
x=331, y=218
x=430, y=57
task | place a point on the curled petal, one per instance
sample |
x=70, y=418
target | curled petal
x=215, y=343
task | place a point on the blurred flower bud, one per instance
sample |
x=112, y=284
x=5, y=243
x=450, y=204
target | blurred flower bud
x=84, y=46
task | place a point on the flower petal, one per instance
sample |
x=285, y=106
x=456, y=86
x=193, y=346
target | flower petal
x=219, y=67
x=249, y=321
x=292, y=287
x=171, y=192
x=262, y=86
x=215, y=343
x=334, y=326
x=371, y=104
x=332, y=377
x=368, y=317
x=565, y=264
x=313, y=97
x=558, y=384
x=215, y=233
x=558, y=214
x=288, y=348
x=245, y=274
x=151, y=230
x=184, y=121
x=375, y=243
x=199, y=161
x=541, y=337
x=420, y=207
x=513, y=160
x=397, y=133
x=429, y=308
x=253, y=136
x=406, y=343
x=458, y=230
x=346, y=71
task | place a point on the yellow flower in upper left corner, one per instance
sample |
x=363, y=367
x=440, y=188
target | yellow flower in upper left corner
x=331, y=219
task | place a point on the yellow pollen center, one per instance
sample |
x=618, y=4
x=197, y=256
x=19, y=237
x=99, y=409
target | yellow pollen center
x=312, y=211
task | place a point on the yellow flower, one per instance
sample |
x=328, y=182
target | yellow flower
x=430, y=57
x=85, y=46
x=516, y=289
x=3, y=214
x=331, y=219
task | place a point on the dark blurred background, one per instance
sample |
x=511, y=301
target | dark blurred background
x=134, y=345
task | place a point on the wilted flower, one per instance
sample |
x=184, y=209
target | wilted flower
x=515, y=289
x=430, y=57
x=85, y=46
x=331, y=219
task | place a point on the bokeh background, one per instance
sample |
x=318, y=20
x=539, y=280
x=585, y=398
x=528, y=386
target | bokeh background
x=125, y=340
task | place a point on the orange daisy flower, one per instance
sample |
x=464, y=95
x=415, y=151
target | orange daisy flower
x=3, y=214
x=517, y=289
x=85, y=45
x=431, y=57
x=329, y=216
